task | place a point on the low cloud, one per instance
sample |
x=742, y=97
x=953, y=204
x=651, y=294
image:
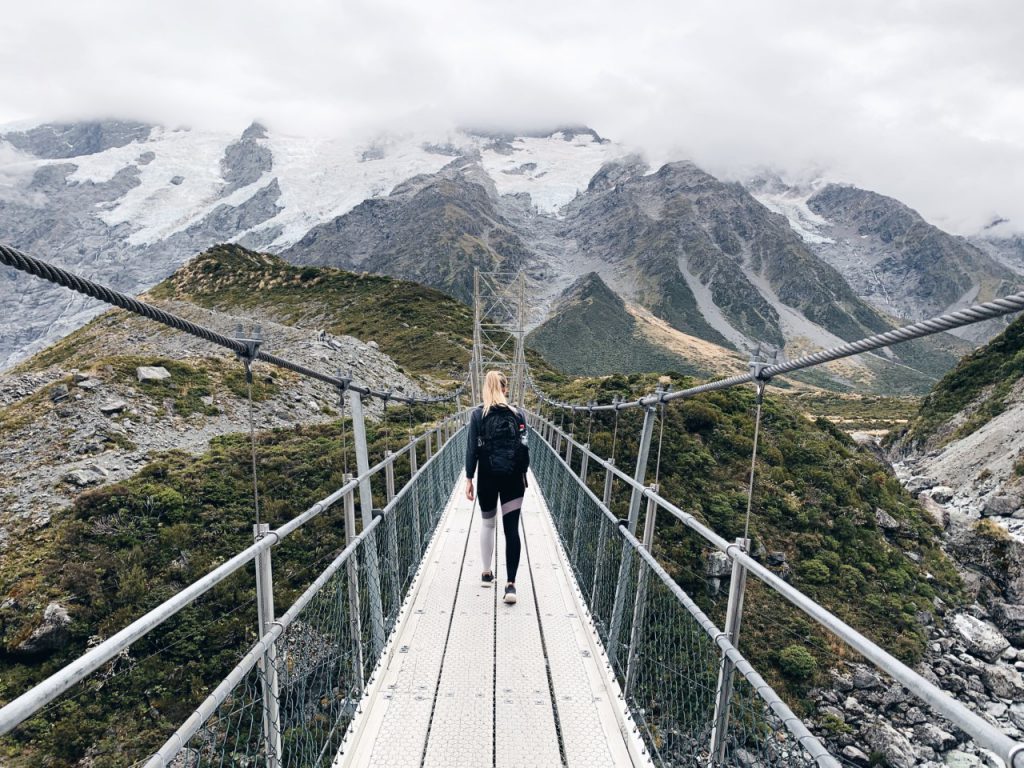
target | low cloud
x=922, y=101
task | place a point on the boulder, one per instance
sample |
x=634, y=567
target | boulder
x=1002, y=681
x=152, y=373
x=854, y=755
x=1001, y=506
x=1009, y=618
x=776, y=559
x=932, y=736
x=919, y=483
x=942, y=494
x=886, y=521
x=960, y=759
x=718, y=565
x=51, y=635
x=982, y=639
x=114, y=406
x=82, y=477
x=89, y=384
x=59, y=392
x=892, y=745
x=864, y=679
x=373, y=345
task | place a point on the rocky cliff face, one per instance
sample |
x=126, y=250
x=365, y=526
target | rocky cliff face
x=891, y=257
x=431, y=229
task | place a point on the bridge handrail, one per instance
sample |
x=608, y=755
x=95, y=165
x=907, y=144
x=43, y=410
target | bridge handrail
x=209, y=706
x=217, y=697
x=986, y=734
x=25, y=705
x=808, y=740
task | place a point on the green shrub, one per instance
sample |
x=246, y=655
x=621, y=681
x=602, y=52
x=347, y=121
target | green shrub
x=797, y=663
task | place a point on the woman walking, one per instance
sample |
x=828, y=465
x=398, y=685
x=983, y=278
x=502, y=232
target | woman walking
x=498, y=445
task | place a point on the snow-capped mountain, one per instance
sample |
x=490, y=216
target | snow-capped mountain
x=126, y=204
x=894, y=259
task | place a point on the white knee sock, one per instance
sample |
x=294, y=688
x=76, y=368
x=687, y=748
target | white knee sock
x=487, y=531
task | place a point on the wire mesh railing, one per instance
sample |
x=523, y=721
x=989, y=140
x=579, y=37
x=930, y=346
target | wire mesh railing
x=317, y=659
x=665, y=652
x=552, y=471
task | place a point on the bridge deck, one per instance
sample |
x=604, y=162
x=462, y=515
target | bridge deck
x=470, y=681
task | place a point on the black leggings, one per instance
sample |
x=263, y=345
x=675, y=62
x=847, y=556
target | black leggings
x=510, y=490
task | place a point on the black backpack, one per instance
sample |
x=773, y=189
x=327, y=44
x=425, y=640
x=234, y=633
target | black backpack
x=502, y=442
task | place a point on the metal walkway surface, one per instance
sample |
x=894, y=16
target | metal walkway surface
x=470, y=681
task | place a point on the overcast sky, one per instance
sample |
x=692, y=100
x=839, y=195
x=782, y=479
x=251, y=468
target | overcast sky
x=920, y=100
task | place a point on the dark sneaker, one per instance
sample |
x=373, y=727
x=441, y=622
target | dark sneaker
x=510, y=594
x=486, y=579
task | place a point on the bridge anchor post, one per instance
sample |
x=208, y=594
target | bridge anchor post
x=366, y=505
x=626, y=562
x=733, y=618
x=640, y=607
x=352, y=566
x=602, y=536
x=268, y=664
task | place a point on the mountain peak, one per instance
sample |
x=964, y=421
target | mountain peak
x=256, y=130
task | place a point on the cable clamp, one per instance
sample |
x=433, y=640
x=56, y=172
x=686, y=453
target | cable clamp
x=250, y=343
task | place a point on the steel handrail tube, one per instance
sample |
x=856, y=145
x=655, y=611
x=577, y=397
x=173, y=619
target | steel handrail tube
x=981, y=730
x=796, y=726
x=203, y=712
x=24, y=706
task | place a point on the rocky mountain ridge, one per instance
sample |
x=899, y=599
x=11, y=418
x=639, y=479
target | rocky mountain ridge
x=892, y=258
x=126, y=204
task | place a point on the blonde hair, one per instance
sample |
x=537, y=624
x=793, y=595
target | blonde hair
x=494, y=390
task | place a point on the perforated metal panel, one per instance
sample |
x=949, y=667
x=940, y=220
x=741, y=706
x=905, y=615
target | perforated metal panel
x=469, y=683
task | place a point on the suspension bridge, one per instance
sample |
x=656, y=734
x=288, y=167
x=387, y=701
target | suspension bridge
x=395, y=654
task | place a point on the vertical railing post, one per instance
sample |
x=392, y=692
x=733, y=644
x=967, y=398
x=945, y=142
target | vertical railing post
x=568, y=451
x=621, y=586
x=413, y=469
x=640, y=608
x=430, y=450
x=602, y=536
x=352, y=566
x=391, y=530
x=733, y=618
x=268, y=664
x=366, y=505
x=579, y=505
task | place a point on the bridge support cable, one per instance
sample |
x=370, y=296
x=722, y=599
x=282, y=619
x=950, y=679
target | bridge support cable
x=947, y=322
x=16, y=259
x=675, y=648
x=984, y=733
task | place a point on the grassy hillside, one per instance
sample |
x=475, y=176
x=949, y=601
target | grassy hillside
x=591, y=332
x=126, y=547
x=977, y=390
x=422, y=329
x=815, y=501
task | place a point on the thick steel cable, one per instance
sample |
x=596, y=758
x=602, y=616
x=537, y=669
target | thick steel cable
x=946, y=322
x=32, y=266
